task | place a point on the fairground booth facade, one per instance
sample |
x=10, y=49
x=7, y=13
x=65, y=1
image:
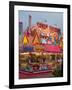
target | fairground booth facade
x=40, y=51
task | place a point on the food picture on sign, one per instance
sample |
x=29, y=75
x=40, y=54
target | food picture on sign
x=40, y=44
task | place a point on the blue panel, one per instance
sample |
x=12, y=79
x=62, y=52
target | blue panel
x=28, y=49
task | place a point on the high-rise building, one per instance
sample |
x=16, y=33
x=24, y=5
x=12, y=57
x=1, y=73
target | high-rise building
x=20, y=28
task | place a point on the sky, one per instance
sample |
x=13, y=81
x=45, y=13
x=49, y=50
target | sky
x=50, y=18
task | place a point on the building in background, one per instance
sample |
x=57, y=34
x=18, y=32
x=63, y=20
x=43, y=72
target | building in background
x=20, y=28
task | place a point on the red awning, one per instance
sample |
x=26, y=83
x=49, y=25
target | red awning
x=52, y=48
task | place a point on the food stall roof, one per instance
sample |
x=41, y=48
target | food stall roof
x=52, y=48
